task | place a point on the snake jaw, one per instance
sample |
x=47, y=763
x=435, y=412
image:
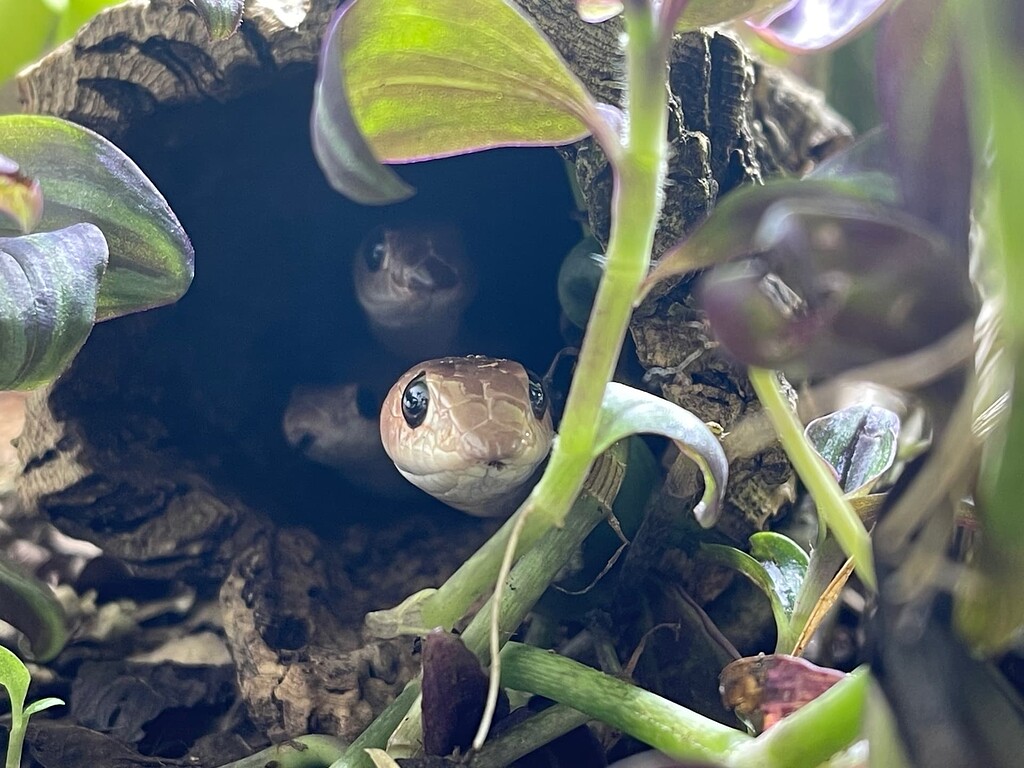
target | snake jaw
x=480, y=442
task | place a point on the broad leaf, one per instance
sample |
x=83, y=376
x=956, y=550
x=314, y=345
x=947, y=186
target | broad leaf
x=705, y=13
x=729, y=230
x=409, y=80
x=778, y=566
x=858, y=442
x=25, y=27
x=837, y=283
x=804, y=26
x=14, y=677
x=85, y=178
x=48, y=292
x=20, y=196
x=922, y=99
x=221, y=17
x=626, y=411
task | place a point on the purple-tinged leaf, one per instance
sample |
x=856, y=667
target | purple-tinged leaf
x=410, y=80
x=764, y=689
x=705, y=13
x=729, y=230
x=803, y=26
x=596, y=11
x=221, y=17
x=626, y=411
x=836, y=283
x=858, y=442
x=48, y=297
x=348, y=162
x=85, y=178
x=454, y=693
x=921, y=96
x=777, y=566
x=20, y=196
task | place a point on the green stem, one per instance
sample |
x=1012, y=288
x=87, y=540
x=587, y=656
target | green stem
x=310, y=751
x=540, y=729
x=16, y=738
x=673, y=729
x=835, y=510
x=635, y=206
x=537, y=569
x=813, y=733
x=804, y=739
x=379, y=731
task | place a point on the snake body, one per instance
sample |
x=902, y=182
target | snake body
x=470, y=431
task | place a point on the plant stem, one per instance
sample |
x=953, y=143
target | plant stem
x=540, y=729
x=635, y=207
x=835, y=510
x=675, y=730
x=814, y=732
x=310, y=751
x=16, y=738
x=537, y=568
x=804, y=739
x=379, y=731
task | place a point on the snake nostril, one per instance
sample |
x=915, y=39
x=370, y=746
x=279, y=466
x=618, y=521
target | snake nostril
x=496, y=464
x=304, y=442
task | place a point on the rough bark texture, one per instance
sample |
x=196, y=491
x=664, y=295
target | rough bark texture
x=106, y=463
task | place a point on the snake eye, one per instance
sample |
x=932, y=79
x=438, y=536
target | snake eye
x=374, y=252
x=538, y=397
x=415, y=400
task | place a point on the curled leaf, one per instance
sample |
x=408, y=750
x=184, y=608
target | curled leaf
x=85, y=178
x=48, y=294
x=467, y=75
x=596, y=11
x=804, y=26
x=348, y=162
x=777, y=566
x=221, y=17
x=20, y=196
x=30, y=606
x=858, y=442
x=626, y=411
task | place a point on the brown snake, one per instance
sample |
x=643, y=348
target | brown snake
x=470, y=431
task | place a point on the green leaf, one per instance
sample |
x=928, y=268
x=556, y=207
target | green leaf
x=705, y=13
x=39, y=706
x=858, y=442
x=778, y=566
x=48, y=292
x=25, y=30
x=626, y=411
x=221, y=17
x=85, y=178
x=409, y=80
x=14, y=677
x=20, y=196
x=76, y=14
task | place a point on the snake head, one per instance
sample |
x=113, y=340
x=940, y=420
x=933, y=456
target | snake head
x=413, y=283
x=470, y=431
